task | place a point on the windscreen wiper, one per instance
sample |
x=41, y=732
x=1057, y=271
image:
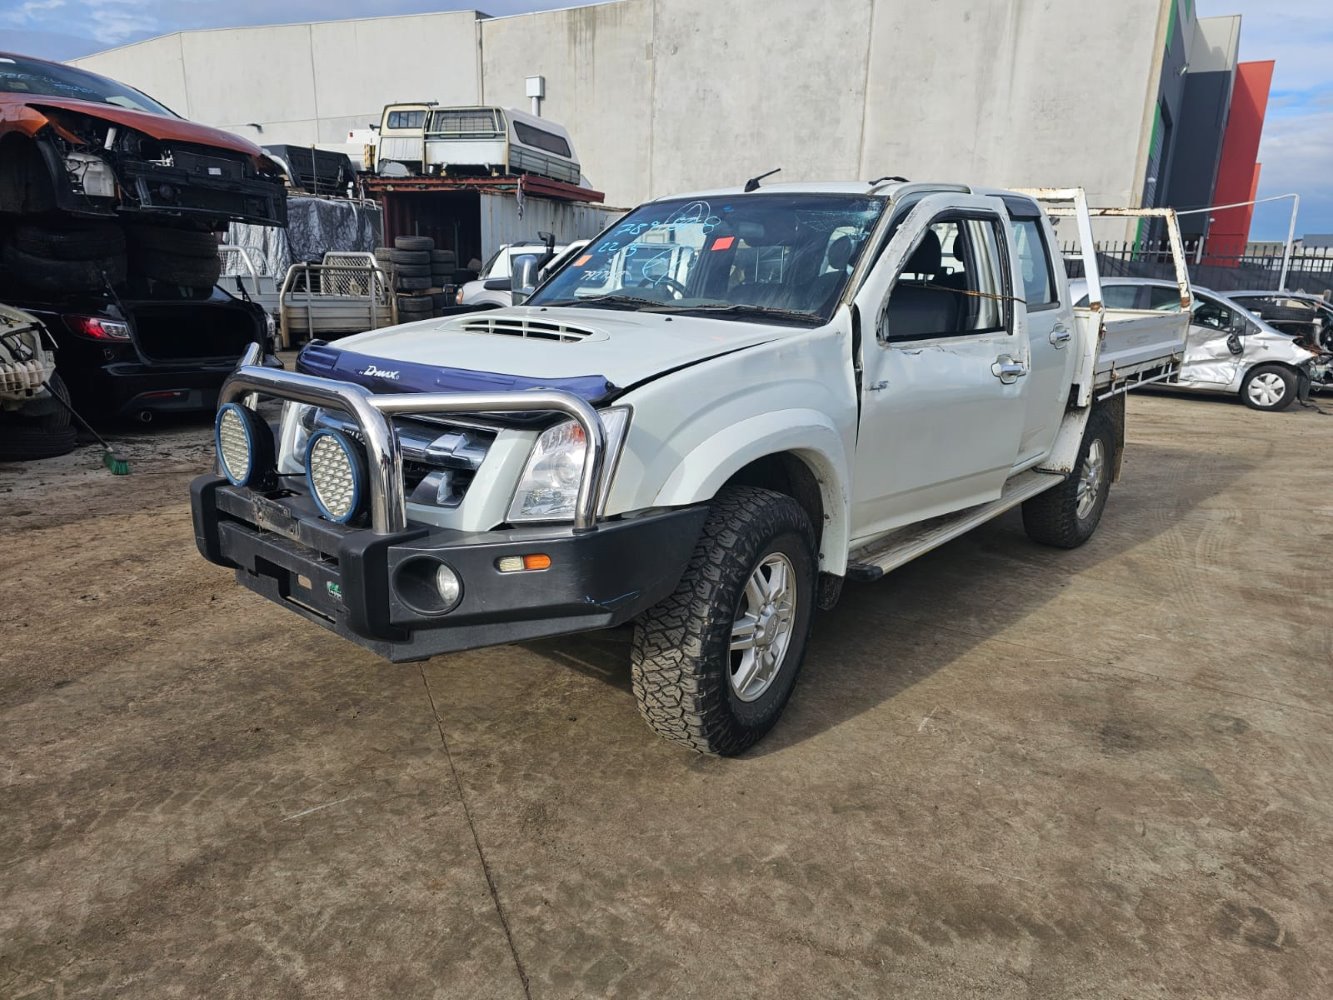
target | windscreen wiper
x=740, y=309
x=613, y=299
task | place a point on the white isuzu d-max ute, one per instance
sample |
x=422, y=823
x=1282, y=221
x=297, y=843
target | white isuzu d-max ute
x=725, y=406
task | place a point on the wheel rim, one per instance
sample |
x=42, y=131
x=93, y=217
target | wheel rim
x=1090, y=478
x=1267, y=389
x=762, y=631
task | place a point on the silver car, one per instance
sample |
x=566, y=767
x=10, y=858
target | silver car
x=1229, y=350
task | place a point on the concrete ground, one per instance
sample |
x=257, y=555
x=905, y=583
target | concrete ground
x=1007, y=771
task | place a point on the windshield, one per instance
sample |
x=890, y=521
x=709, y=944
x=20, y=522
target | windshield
x=784, y=257
x=30, y=76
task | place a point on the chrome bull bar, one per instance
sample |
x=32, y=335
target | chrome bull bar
x=371, y=412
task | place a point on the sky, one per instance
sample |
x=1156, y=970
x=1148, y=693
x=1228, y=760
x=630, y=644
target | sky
x=1296, y=152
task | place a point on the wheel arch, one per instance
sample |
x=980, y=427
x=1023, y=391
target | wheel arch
x=798, y=453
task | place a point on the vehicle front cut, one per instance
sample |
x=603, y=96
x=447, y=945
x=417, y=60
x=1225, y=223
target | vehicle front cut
x=723, y=407
x=77, y=143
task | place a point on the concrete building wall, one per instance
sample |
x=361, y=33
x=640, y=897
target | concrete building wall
x=669, y=95
x=1013, y=94
x=598, y=64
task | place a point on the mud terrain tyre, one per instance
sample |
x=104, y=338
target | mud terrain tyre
x=1067, y=515
x=750, y=580
x=1269, y=387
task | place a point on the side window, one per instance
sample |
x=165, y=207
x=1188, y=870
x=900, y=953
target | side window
x=952, y=285
x=1214, y=315
x=1120, y=296
x=1034, y=261
x=1163, y=299
x=542, y=139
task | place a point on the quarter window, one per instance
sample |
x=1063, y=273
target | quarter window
x=1035, y=264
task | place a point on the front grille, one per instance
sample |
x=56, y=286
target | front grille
x=440, y=459
x=534, y=329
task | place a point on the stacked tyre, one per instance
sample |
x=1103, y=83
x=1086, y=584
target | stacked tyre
x=67, y=257
x=187, y=258
x=420, y=276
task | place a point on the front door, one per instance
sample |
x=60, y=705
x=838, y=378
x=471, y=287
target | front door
x=1209, y=360
x=945, y=362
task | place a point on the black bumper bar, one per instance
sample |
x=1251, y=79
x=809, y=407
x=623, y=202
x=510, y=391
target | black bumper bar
x=377, y=589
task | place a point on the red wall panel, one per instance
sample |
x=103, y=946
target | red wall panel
x=1238, y=171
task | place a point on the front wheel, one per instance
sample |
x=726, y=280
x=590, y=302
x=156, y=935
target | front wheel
x=714, y=664
x=1067, y=515
x=1269, y=387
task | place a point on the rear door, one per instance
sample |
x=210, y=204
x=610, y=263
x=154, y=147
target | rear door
x=1050, y=330
x=945, y=363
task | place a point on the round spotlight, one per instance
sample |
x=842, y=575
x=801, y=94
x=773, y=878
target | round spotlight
x=245, y=447
x=335, y=470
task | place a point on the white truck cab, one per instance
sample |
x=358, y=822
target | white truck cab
x=806, y=383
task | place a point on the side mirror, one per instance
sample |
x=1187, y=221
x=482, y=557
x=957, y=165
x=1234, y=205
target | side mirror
x=524, y=278
x=1234, y=344
x=498, y=285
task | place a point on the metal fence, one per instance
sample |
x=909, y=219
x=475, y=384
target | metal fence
x=1310, y=269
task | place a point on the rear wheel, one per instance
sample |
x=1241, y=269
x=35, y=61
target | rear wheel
x=714, y=664
x=1067, y=515
x=1269, y=387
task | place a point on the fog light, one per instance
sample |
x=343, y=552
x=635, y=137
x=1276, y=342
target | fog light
x=336, y=474
x=245, y=447
x=449, y=586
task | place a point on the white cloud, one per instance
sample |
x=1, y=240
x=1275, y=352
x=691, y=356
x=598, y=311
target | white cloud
x=31, y=11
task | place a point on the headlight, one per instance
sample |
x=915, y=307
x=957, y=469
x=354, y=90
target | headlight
x=244, y=446
x=549, y=487
x=336, y=474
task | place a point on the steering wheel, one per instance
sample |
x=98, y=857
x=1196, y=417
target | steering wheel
x=672, y=285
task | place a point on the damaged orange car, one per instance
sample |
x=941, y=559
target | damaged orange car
x=79, y=144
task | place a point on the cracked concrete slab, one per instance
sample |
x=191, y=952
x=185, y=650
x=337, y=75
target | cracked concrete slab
x=1006, y=772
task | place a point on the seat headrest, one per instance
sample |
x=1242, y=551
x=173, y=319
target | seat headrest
x=840, y=253
x=926, y=257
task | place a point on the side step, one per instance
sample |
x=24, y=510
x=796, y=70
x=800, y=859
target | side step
x=903, y=545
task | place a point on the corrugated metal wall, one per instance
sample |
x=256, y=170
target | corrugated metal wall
x=501, y=224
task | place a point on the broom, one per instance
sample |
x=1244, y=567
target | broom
x=113, y=460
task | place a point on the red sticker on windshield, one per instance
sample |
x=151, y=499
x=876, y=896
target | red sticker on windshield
x=723, y=242
x=583, y=260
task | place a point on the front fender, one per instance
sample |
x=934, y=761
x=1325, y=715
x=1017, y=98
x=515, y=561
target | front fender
x=808, y=434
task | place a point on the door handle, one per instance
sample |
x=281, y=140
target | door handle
x=1060, y=335
x=1007, y=370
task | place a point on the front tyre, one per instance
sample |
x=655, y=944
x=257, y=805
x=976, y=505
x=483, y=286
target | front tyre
x=1067, y=515
x=1269, y=387
x=714, y=663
